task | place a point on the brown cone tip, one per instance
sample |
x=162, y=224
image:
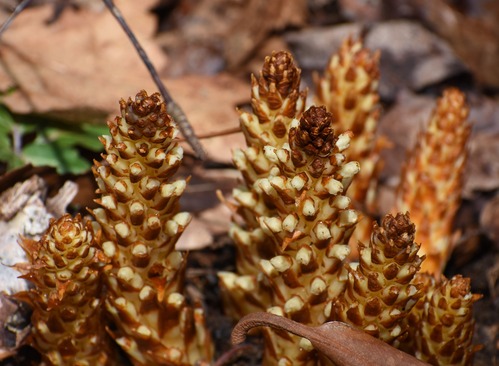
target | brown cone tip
x=145, y=114
x=399, y=229
x=65, y=230
x=315, y=134
x=452, y=109
x=279, y=68
x=460, y=286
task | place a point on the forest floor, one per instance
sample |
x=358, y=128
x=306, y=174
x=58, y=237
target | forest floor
x=75, y=69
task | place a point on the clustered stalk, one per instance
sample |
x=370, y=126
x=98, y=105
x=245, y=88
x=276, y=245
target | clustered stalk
x=306, y=229
x=300, y=219
x=276, y=100
x=65, y=267
x=432, y=179
x=141, y=223
x=292, y=228
x=295, y=221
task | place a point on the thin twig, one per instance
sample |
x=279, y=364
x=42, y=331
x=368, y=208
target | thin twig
x=173, y=108
x=19, y=8
x=209, y=135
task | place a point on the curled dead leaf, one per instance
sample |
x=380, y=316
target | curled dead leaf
x=338, y=341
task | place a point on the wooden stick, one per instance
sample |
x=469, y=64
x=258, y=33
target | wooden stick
x=173, y=108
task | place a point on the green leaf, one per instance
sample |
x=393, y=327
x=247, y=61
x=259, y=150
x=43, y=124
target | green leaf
x=7, y=154
x=6, y=121
x=83, y=136
x=63, y=158
x=95, y=129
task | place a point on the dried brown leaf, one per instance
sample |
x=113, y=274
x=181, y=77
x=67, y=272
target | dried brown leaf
x=206, y=36
x=411, y=56
x=25, y=210
x=473, y=38
x=13, y=326
x=400, y=125
x=340, y=343
x=210, y=105
x=256, y=20
x=483, y=166
x=84, y=59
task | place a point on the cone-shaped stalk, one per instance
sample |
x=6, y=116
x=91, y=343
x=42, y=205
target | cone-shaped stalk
x=141, y=223
x=380, y=291
x=432, y=179
x=67, y=319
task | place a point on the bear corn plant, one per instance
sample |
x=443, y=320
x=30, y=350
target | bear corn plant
x=65, y=268
x=432, y=179
x=294, y=218
x=349, y=90
x=140, y=221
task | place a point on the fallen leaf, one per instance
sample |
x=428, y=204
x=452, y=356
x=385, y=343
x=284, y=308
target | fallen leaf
x=207, y=36
x=339, y=342
x=489, y=219
x=482, y=173
x=14, y=325
x=411, y=56
x=25, y=210
x=256, y=20
x=400, y=125
x=474, y=38
x=313, y=46
x=211, y=217
x=196, y=236
x=84, y=59
x=210, y=105
x=89, y=50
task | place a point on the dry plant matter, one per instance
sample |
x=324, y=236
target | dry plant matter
x=175, y=109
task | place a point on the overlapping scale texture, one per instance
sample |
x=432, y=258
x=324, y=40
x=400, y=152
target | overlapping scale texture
x=349, y=90
x=381, y=291
x=141, y=222
x=302, y=222
x=294, y=220
x=432, y=179
x=67, y=315
x=276, y=100
x=442, y=322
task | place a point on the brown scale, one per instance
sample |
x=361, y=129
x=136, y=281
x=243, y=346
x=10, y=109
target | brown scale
x=315, y=135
